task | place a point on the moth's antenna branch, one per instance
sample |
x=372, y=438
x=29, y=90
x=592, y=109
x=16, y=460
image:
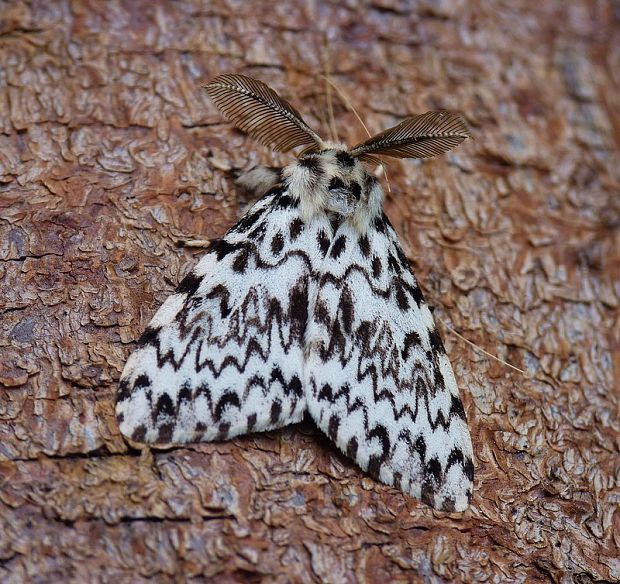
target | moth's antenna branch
x=349, y=105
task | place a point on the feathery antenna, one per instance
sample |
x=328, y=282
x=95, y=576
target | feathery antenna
x=259, y=111
x=422, y=136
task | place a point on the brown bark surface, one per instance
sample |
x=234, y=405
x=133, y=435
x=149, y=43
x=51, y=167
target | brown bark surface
x=111, y=154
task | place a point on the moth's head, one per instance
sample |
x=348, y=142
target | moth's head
x=323, y=167
x=332, y=180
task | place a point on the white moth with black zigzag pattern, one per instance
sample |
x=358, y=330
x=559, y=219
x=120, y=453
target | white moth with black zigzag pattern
x=308, y=305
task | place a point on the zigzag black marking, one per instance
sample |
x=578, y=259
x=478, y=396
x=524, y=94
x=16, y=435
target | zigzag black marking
x=388, y=450
x=371, y=341
x=165, y=409
x=443, y=420
x=395, y=283
x=294, y=319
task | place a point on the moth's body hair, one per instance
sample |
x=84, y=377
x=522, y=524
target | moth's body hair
x=259, y=180
x=332, y=181
x=308, y=305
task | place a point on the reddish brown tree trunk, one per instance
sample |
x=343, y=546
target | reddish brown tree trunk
x=110, y=154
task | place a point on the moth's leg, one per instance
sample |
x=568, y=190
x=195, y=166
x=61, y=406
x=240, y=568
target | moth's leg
x=259, y=180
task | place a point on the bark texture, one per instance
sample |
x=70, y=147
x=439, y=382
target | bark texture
x=111, y=155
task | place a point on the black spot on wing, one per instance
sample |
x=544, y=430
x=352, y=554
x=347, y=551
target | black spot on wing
x=416, y=292
x=277, y=243
x=397, y=478
x=221, y=292
x=164, y=407
x=376, y=267
x=323, y=241
x=436, y=342
x=432, y=471
x=275, y=191
x=139, y=433
x=440, y=383
x=364, y=245
x=380, y=224
x=298, y=308
x=246, y=223
x=427, y=494
x=123, y=390
x=294, y=387
x=412, y=339
x=364, y=334
x=456, y=408
x=257, y=233
x=420, y=447
x=352, y=448
x=189, y=284
x=393, y=264
x=322, y=313
x=376, y=460
x=149, y=336
x=165, y=432
x=285, y=201
x=276, y=410
x=468, y=468
x=401, y=297
x=356, y=190
x=338, y=247
x=223, y=431
x=456, y=456
x=326, y=393
x=222, y=248
x=346, y=310
x=229, y=399
x=295, y=228
x=240, y=263
x=142, y=381
x=402, y=258
x=185, y=394
x=448, y=505
x=332, y=427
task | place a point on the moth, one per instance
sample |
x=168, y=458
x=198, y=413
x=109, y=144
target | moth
x=308, y=306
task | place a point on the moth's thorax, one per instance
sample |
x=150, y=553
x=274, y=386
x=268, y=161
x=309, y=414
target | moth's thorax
x=334, y=182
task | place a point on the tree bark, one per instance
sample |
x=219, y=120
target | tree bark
x=111, y=157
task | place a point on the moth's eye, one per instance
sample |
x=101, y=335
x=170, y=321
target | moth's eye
x=336, y=183
x=356, y=190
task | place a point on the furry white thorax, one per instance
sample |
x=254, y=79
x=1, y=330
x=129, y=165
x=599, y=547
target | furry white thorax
x=332, y=181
